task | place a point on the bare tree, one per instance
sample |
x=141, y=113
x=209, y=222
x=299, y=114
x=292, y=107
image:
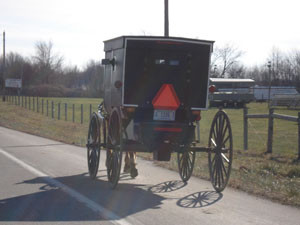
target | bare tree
x=14, y=65
x=237, y=70
x=277, y=60
x=225, y=57
x=48, y=63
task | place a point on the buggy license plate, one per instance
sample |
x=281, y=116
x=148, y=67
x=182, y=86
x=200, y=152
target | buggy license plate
x=165, y=115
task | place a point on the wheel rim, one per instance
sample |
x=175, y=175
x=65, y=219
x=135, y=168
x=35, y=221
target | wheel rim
x=220, y=157
x=93, y=146
x=186, y=161
x=114, y=155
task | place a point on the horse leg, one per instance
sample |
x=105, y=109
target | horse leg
x=133, y=170
x=127, y=163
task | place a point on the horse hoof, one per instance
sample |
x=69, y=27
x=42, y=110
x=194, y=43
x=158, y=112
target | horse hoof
x=134, y=172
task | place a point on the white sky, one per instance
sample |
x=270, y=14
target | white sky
x=78, y=28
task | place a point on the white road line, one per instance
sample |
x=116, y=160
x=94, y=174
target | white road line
x=109, y=215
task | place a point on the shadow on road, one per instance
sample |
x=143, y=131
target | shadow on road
x=53, y=204
x=167, y=186
x=200, y=199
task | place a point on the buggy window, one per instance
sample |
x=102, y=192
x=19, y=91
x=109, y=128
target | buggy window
x=160, y=61
x=171, y=62
x=174, y=62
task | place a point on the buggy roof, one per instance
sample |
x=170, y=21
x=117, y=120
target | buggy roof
x=119, y=42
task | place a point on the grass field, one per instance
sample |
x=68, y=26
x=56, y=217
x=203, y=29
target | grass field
x=275, y=176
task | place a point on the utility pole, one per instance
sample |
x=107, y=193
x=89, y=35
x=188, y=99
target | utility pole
x=3, y=67
x=166, y=18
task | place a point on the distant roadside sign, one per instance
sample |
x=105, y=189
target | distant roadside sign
x=13, y=83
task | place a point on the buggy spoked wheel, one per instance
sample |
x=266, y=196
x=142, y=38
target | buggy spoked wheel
x=94, y=143
x=220, y=155
x=186, y=161
x=114, y=154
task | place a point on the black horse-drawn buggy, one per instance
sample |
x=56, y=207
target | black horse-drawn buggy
x=154, y=91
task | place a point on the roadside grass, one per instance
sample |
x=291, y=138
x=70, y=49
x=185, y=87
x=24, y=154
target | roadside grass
x=18, y=118
x=275, y=176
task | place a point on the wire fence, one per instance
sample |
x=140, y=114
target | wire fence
x=54, y=109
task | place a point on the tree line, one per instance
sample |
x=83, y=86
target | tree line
x=44, y=73
x=282, y=68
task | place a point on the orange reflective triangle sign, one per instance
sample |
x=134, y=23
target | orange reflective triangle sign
x=166, y=98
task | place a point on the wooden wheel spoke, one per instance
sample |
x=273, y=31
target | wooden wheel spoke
x=214, y=134
x=213, y=141
x=221, y=124
x=189, y=162
x=224, y=169
x=181, y=159
x=214, y=160
x=224, y=131
x=224, y=142
x=221, y=171
x=216, y=171
x=213, y=166
x=225, y=158
x=217, y=126
x=184, y=171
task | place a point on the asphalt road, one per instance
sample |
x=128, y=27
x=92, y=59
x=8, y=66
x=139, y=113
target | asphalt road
x=46, y=182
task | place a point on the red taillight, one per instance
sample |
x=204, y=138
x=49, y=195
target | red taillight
x=212, y=88
x=130, y=109
x=166, y=98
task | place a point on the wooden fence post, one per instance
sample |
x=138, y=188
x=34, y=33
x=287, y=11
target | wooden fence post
x=33, y=104
x=22, y=101
x=270, y=130
x=245, y=128
x=25, y=102
x=29, y=103
x=19, y=102
x=81, y=119
x=73, y=113
x=58, y=111
x=47, y=108
x=66, y=111
x=298, y=136
x=52, y=110
x=42, y=106
x=37, y=104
